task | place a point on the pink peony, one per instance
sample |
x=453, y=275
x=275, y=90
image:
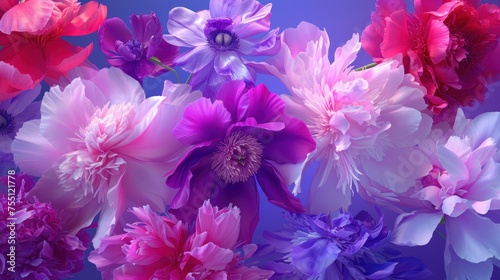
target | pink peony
x=450, y=46
x=100, y=145
x=359, y=120
x=459, y=190
x=160, y=247
x=30, y=33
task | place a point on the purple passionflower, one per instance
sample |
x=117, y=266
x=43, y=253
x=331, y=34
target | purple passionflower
x=43, y=249
x=241, y=137
x=132, y=51
x=220, y=37
x=345, y=247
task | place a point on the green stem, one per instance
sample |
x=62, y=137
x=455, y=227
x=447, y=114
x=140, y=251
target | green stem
x=189, y=78
x=440, y=234
x=368, y=66
x=156, y=61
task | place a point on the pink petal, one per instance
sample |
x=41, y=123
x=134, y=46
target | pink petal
x=61, y=57
x=119, y=87
x=438, y=40
x=32, y=152
x=415, y=228
x=28, y=16
x=12, y=81
x=212, y=257
x=90, y=16
x=222, y=227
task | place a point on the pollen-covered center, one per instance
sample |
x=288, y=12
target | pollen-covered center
x=237, y=158
x=94, y=168
x=7, y=123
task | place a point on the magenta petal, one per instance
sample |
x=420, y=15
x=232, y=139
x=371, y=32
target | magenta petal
x=203, y=121
x=244, y=196
x=29, y=16
x=276, y=190
x=290, y=145
x=233, y=95
x=264, y=106
x=111, y=31
x=438, y=41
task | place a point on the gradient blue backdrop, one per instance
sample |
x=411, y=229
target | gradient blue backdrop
x=340, y=18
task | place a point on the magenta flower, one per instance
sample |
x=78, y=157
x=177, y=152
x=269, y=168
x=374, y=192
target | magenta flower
x=95, y=142
x=450, y=46
x=43, y=249
x=242, y=136
x=460, y=189
x=220, y=37
x=160, y=247
x=132, y=52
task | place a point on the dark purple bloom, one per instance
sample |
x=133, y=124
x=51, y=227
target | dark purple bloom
x=43, y=249
x=132, y=52
x=345, y=247
x=14, y=113
x=242, y=137
x=220, y=37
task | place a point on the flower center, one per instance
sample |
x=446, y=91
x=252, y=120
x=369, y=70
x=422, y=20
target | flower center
x=7, y=123
x=223, y=40
x=237, y=158
x=132, y=50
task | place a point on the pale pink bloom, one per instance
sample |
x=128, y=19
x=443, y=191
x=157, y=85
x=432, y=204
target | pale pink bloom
x=160, y=247
x=101, y=145
x=359, y=119
x=461, y=188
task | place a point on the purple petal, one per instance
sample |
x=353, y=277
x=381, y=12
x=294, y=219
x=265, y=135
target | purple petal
x=276, y=190
x=235, y=98
x=246, y=197
x=314, y=256
x=290, y=145
x=269, y=45
x=19, y=103
x=146, y=27
x=202, y=121
x=111, y=31
x=265, y=106
x=229, y=63
x=415, y=228
x=474, y=238
x=185, y=27
x=458, y=268
x=196, y=59
x=256, y=19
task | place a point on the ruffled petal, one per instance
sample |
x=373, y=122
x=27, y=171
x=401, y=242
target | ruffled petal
x=235, y=98
x=314, y=256
x=29, y=16
x=12, y=81
x=185, y=27
x=111, y=31
x=203, y=121
x=90, y=16
x=415, y=228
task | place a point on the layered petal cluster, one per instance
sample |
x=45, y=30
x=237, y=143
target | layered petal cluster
x=32, y=48
x=161, y=247
x=460, y=189
x=94, y=144
x=450, y=46
x=361, y=120
x=242, y=137
x=132, y=51
x=43, y=249
x=219, y=38
x=343, y=247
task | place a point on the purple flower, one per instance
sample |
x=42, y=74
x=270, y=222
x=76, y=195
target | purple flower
x=43, y=249
x=242, y=135
x=345, y=247
x=132, y=52
x=14, y=113
x=219, y=37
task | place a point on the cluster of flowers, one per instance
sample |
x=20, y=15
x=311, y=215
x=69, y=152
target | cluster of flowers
x=393, y=133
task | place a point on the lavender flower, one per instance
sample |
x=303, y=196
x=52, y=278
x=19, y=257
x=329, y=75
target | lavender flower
x=132, y=52
x=345, y=247
x=219, y=37
x=43, y=249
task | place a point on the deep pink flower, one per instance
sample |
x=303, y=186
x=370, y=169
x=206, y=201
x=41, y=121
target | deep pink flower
x=241, y=137
x=160, y=247
x=450, y=46
x=30, y=33
x=43, y=249
x=95, y=142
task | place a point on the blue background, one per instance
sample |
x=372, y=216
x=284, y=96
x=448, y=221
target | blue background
x=340, y=18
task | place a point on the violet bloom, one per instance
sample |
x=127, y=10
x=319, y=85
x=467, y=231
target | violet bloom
x=43, y=249
x=220, y=37
x=460, y=190
x=132, y=52
x=345, y=247
x=160, y=247
x=242, y=137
